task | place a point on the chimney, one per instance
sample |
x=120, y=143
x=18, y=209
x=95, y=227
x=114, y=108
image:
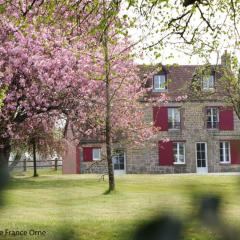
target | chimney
x=226, y=59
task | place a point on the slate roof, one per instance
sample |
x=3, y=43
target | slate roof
x=178, y=76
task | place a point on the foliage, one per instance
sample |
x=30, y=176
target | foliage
x=230, y=84
x=192, y=27
x=2, y=96
x=125, y=93
x=49, y=141
x=44, y=69
x=226, y=82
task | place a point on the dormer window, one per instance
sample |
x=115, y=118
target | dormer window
x=159, y=83
x=208, y=82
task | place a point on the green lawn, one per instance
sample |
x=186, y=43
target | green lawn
x=77, y=204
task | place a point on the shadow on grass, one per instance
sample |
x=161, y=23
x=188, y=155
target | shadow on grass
x=109, y=192
x=208, y=223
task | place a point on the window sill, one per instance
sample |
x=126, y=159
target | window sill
x=96, y=160
x=174, y=129
x=159, y=91
x=176, y=163
x=225, y=163
x=208, y=90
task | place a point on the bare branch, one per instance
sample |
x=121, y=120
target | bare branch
x=204, y=19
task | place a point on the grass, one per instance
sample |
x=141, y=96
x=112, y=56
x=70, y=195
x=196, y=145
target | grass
x=75, y=205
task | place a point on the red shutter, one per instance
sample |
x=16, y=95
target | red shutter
x=226, y=119
x=165, y=153
x=235, y=151
x=160, y=118
x=77, y=159
x=87, y=154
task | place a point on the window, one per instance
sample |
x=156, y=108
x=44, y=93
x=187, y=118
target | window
x=224, y=152
x=173, y=118
x=159, y=82
x=212, y=117
x=96, y=152
x=208, y=82
x=179, y=152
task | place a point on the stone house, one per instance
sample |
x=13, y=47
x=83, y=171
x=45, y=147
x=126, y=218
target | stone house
x=203, y=131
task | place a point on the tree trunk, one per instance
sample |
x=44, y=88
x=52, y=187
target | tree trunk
x=34, y=159
x=109, y=150
x=5, y=150
x=108, y=110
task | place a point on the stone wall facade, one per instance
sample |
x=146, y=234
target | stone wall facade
x=145, y=159
x=193, y=130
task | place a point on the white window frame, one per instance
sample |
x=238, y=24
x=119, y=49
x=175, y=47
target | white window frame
x=99, y=154
x=212, y=115
x=119, y=171
x=224, y=152
x=208, y=82
x=202, y=169
x=173, y=115
x=178, y=153
x=162, y=86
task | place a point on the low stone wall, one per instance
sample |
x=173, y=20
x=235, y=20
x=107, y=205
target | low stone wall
x=94, y=167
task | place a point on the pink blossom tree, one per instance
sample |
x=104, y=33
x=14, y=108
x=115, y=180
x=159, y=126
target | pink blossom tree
x=115, y=111
x=66, y=63
x=42, y=76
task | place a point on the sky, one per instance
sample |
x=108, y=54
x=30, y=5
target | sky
x=178, y=53
x=178, y=58
x=172, y=55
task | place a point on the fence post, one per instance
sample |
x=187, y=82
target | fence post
x=25, y=164
x=55, y=164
